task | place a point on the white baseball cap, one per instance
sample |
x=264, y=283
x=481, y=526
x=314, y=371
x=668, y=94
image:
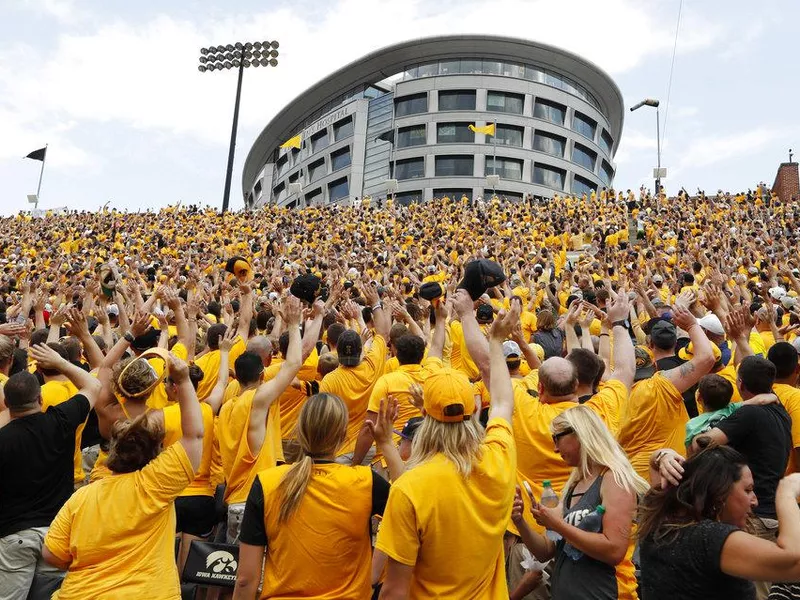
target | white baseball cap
x=712, y=324
x=113, y=309
x=777, y=292
x=511, y=348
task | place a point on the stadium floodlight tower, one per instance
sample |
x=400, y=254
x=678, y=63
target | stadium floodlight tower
x=658, y=172
x=237, y=56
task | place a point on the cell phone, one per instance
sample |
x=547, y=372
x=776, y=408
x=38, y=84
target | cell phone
x=528, y=489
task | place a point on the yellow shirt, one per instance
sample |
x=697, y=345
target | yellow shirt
x=435, y=517
x=132, y=555
x=323, y=551
x=609, y=403
x=655, y=418
x=239, y=463
x=457, y=335
x=54, y=393
x=209, y=363
x=790, y=398
x=201, y=486
x=158, y=397
x=292, y=399
x=354, y=386
x=397, y=384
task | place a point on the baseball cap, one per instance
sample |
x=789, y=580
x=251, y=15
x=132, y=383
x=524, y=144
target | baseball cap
x=687, y=353
x=448, y=396
x=788, y=302
x=480, y=275
x=657, y=303
x=484, y=314
x=113, y=309
x=410, y=428
x=658, y=278
x=431, y=290
x=712, y=324
x=511, y=349
x=240, y=268
x=348, y=347
x=306, y=287
x=663, y=334
x=777, y=292
x=644, y=364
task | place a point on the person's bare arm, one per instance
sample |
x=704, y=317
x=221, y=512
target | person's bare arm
x=381, y=319
x=312, y=329
x=380, y=428
x=738, y=325
x=173, y=301
x=248, y=573
x=624, y=354
x=538, y=545
x=442, y=313
x=191, y=414
x=689, y=373
x=569, y=326
x=477, y=345
x=214, y=399
x=245, y=311
x=48, y=358
x=80, y=329
x=500, y=382
x=397, y=584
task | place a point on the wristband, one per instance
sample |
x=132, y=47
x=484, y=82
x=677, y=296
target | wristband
x=604, y=334
x=377, y=306
x=620, y=324
x=128, y=337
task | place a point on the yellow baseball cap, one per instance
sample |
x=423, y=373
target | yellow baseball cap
x=687, y=353
x=448, y=396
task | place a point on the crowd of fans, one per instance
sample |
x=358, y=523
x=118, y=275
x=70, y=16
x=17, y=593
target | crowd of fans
x=387, y=397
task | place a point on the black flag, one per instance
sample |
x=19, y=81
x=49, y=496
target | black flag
x=386, y=136
x=38, y=154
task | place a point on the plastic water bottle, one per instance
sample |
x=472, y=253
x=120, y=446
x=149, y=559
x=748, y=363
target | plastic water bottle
x=593, y=523
x=550, y=500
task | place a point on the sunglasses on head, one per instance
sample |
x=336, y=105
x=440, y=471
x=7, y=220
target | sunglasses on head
x=560, y=434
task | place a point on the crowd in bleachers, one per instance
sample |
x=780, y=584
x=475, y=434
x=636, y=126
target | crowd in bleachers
x=579, y=397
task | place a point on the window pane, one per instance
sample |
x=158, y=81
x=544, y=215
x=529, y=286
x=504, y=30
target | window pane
x=549, y=176
x=534, y=73
x=584, y=156
x=549, y=143
x=411, y=105
x=279, y=192
x=606, y=142
x=338, y=189
x=411, y=136
x=513, y=196
x=447, y=166
x=319, y=141
x=410, y=168
x=340, y=159
x=471, y=65
x=507, y=168
x=428, y=70
x=583, y=125
x=508, y=135
x=316, y=170
x=606, y=173
x=343, y=129
x=314, y=198
x=513, y=70
x=504, y=102
x=406, y=198
x=492, y=67
x=449, y=67
x=582, y=186
x=549, y=111
x=457, y=100
x=451, y=133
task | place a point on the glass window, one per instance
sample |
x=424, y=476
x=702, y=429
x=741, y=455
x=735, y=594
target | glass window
x=343, y=129
x=319, y=140
x=606, y=173
x=549, y=111
x=428, y=70
x=451, y=133
x=508, y=135
x=507, y=168
x=449, y=67
x=340, y=159
x=279, y=192
x=448, y=166
x=409, y=197
x=317, y=170
x=409, y=168
x=549, y=143
x=257, y=188
x=551, y=177
x=583, y=156
x=282, y=164
x=314, y=198
x=513, y=196
x=581, y=186
x=411, y=105
x=606, y=141
x=295, y=154
x=294, y=177
x=453, y=194
x=457, y=100
x=534, y=73
x=469, y=65
x=584, y=125
x=338, y=189
x=513, y=70
x=411, y=136
x=492, y=67
x=505, y=102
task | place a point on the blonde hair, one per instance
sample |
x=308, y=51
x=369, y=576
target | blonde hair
x=138, y=378
x=459, y=442
x=321, y=430
x=6, y=349
x=598, y=448
x=134, y=443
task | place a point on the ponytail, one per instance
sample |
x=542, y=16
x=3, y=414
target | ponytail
x=293, y=486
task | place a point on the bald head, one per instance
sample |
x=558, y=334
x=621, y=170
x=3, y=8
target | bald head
x=558, y=378
x=261, y=345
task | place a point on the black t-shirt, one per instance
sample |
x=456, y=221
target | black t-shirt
x=254, y=532
x=689, y=401
x=36, y=465
x=764, y=435
x=687, y=566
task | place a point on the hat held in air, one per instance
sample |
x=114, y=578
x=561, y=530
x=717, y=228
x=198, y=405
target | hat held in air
x=240, y=268
x=479, y=276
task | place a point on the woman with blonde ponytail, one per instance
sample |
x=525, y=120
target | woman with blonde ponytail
x=313, y=515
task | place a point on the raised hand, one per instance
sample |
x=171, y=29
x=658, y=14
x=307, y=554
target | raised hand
x=228, y=340
x=47, y=358
x=505, y=322
x=382, y=427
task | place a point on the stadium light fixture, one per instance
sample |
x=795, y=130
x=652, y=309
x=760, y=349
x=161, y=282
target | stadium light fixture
x=659, y=173
x=236, y=56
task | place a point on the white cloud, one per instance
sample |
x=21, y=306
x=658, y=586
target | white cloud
x=703, y=151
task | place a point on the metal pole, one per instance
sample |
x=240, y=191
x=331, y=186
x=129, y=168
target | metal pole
x=392, y=174
x=494, y=161
x=41, y=174
x=227, y=195
x=658, y=152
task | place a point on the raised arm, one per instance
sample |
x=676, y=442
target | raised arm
x=48, y=358
x=191, y=414
x=689, y=373
x=500, y=382
x=214, y=399
x=381, y=318
x=312, y=329
x=738, y=325
x=80, y=329
x=442, y=313
x=624, y=356
x=475, y=341
x=245, y=311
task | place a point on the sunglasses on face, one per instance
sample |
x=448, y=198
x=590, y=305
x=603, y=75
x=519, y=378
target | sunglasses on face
x=560, y=434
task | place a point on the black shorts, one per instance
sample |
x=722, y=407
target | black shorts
x=196, y=515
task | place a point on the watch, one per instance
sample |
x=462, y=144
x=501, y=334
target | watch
x=129, y=337
x=620, y=324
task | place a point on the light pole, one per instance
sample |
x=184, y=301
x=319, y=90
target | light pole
x=239, y=56
x=654, y=104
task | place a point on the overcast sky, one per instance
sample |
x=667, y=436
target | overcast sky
x=113, y=86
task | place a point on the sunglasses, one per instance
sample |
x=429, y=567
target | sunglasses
x=560, y=434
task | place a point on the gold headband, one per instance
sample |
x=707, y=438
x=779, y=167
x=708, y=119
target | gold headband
x=151, y=353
